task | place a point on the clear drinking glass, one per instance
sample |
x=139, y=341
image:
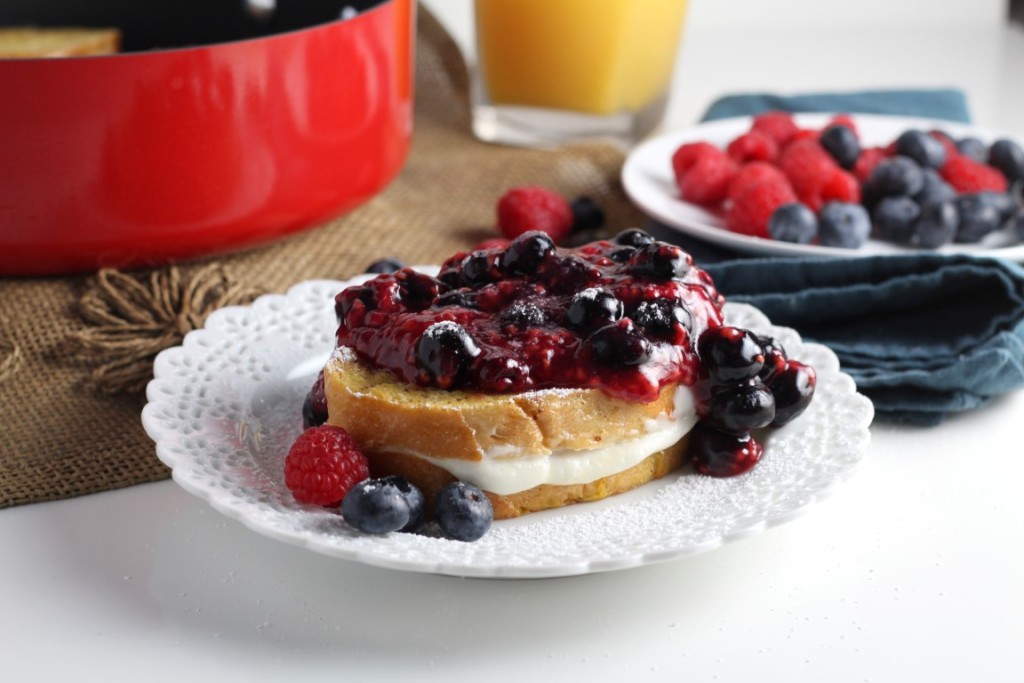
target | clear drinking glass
x=554, y=71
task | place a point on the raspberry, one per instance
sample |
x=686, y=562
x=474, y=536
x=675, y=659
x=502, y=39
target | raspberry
x=866, y=162
x=702, y=173
x=754, y=204
x=968, y=176
x=754, y=172
x=752, y=146
x=523, y=209
x=322, y=465
x=687, y=155
x=809, y=168
x=778, y=125
x=841, y=187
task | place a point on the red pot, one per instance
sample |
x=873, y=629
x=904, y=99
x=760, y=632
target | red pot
x=157, y=155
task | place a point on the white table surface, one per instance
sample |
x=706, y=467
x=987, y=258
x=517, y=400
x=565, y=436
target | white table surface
x=911, y=571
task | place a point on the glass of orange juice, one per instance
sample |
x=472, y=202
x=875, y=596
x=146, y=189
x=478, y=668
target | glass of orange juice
x=554, y=71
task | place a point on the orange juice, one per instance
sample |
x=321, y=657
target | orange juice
x=590, y=56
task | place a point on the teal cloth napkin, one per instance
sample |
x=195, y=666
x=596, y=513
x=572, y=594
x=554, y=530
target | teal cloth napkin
x=922, y=334
x=944, y=103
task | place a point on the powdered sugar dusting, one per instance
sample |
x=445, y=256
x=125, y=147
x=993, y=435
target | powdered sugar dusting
x=237, y=377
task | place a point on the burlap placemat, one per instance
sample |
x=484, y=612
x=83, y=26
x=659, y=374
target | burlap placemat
x=75, y=351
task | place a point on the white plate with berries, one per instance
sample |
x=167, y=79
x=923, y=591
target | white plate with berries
x=734, y=173
x=225, y=407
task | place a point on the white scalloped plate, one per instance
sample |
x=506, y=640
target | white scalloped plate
x=647, y=179
x=224, y=407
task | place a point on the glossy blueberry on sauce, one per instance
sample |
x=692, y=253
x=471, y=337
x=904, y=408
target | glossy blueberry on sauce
x=741, y=408
x=659, y=317
x=659, y=261
x=480, y=268
x=593, y=308
x=731, y=354
x=717, y=454
x=445, y=351
x=620, y=342
x=793, y=388
x=633, y=237
x=526, y=252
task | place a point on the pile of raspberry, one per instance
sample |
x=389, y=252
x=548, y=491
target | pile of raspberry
x=822, y=186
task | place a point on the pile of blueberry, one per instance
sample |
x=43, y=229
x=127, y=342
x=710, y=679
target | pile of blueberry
x=747, y=383
x=911, y=195
x=386, y=504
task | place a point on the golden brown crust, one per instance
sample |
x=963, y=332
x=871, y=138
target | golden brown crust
x=431, y=478
x=383, y=413
x=28, y=42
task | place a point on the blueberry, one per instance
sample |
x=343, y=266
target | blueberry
x=741, y=408
x=622, y=255
x=936, y=226
x=934, y=188
x=1008, y=157
x=659, y=261
x=593, y=308
x=660, y=316
x=922, y=148
x=979, y=216
x=794, y=222
x=793, y=389
x=525, y=253
x=722, y=455
x=774, y=357
x=445, y=351
x=418, y=290
x=375, y=506
x=384, y=265
x=463, y=511
x=620, y=343
x=973, y=148
x=633, y=237
x=523, y=314
x=480, y=268
x=413, y=497
x=897, y=175
x=1003, y=203
x=586, y=214
x=314, y=406
x=895, y=218
x=843, y=225
x=842, y=144
x=731, y=354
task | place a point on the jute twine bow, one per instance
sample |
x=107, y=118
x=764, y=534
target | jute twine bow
x=131, y=319
x=10, y=359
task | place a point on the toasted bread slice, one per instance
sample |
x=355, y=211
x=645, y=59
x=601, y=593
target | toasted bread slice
x=30, y=42
x=405, y=429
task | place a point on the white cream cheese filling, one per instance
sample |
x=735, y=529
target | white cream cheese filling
x=504, y=475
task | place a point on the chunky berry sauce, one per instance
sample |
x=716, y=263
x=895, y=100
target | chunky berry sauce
x=619, y=316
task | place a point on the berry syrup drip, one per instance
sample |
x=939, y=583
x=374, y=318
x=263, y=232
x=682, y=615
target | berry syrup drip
x=746, y=383
x=620, y=316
